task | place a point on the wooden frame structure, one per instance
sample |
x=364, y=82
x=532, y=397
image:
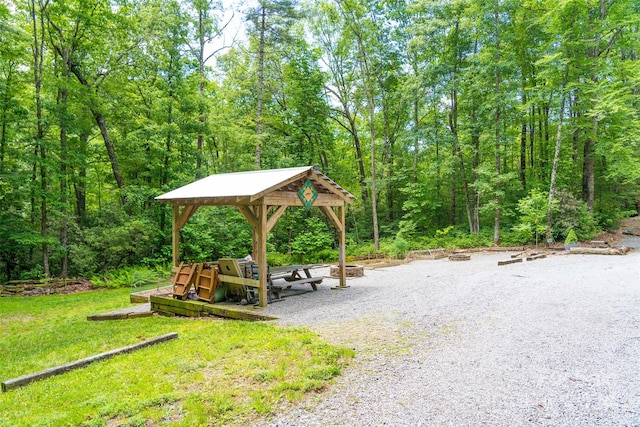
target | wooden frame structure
x=262, y=197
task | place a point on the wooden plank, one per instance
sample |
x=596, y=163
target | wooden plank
x=175, y=310
x=510, y=261
x=119, y=316
x=535, y=257
x=239, y=281
x=171, y=302
x=29, y=378
x=233, y=313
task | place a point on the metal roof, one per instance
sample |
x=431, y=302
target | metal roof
x=245, y=187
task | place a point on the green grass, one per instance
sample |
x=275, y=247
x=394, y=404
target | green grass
x=217, y=372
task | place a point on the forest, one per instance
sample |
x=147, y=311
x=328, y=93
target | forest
x=474, y=122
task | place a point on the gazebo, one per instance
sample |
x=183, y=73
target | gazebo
x=262, y=197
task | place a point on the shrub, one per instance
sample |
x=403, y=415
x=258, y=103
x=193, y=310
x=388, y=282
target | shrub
x=131, y=277
x=532, y=223
x=400, y=248
x=571, y=237
x=315, y=238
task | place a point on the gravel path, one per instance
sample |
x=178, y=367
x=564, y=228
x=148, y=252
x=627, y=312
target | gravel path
x=553, y=342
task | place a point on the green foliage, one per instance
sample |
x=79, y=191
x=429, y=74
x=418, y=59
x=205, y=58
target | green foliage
x=572, y=213
x=132, y=277
x=532, y=223
x=314, y=238
x=400, y=248
x=276, y=259
x=214, y=233
x=571, y=238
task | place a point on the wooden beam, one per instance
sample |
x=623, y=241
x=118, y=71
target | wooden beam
x=239, y=280
x=251, y=218
x=331, y=187
x=343, y=247
x=27, y=379
x=290, y=198
x=262, y=252
x=275, y=217
x=329, y=213
x=178, y=221
x=186, y=213
x=284, y=183
x=175, y=237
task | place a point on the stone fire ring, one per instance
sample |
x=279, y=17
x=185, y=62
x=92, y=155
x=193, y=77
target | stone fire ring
x=352, y=270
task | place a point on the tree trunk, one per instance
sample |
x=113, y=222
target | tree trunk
x=556, y=158
x=111, y=153
x=38, y=59
x=497, y=212
x=588, y=170
x=79, y=182
x=102, y=125
x=201, y=75
x=63, y=94
x=4, y=116
x=369, y=89
x=388, y=154
x=261, y=43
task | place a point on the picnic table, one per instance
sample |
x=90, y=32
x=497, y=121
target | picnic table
x=293, y=275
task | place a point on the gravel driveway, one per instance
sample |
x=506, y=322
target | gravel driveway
x=553, y=342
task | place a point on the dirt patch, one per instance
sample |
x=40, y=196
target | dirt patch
x=614, y=237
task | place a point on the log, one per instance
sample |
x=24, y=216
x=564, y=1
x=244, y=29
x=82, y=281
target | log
x=29, y=378
x=510, y=261
x=600, y=251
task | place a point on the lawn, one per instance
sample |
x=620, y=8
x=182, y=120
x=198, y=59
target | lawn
x=218, y=372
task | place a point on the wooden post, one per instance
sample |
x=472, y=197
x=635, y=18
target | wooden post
x=175, y=237
x=343, y=243
x=262, y=252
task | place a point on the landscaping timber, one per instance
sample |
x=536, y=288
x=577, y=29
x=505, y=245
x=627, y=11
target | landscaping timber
x=459, y=257
x=193, y=308
x=600, y=251
x=27, y=379
x=535, y=257
x=135, y=312
x=510, y=261
x=427, y=254
x=143, y=296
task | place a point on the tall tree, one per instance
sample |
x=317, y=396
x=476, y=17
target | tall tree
x=271, y=22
